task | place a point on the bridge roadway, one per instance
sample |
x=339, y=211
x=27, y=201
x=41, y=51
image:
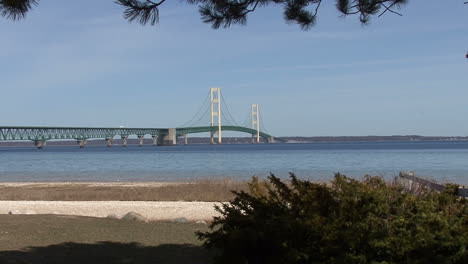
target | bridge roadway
x=161, y=136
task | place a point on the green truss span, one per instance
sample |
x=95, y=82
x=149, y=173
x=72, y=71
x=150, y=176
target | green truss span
x=191, y=130
x=78, y=133
x=48, y=133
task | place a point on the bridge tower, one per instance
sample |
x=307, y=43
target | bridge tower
x=215, y=105
x=255, y=123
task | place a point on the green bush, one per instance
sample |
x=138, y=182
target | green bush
x=346, y=221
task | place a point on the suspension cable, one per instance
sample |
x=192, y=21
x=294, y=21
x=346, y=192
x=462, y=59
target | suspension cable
x=247, y=120
x=262, y=127
x=202, y=116
x=227, y=109
x=198, y=111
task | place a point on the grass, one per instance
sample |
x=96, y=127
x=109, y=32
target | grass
x=73, y=239
x=201, y=190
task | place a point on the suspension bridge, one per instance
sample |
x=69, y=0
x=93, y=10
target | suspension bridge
x=213, y=117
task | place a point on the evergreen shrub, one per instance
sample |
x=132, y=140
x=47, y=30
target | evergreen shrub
x=345, y=221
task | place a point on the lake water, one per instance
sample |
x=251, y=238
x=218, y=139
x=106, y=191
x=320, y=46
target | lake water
x=441, y=160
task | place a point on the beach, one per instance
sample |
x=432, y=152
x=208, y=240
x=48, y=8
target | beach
x=155, y=201
x=151, y=211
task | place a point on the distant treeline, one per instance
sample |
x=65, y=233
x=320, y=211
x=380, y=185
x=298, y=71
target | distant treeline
x=241, y=140
x=372, y=138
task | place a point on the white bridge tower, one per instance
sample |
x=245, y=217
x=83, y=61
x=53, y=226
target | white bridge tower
x=255, y=123
x=215, y=104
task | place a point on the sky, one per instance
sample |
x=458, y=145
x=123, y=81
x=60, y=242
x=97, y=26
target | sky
x=79, y=63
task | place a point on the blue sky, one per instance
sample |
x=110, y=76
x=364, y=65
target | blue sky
x=79, y=63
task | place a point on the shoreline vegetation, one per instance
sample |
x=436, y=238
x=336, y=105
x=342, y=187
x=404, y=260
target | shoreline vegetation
x=201, y=190
x=218, y=190
x=346, y=221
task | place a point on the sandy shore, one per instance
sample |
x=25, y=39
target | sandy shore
x=153, y=200
x=90, y=184
x=192, y=211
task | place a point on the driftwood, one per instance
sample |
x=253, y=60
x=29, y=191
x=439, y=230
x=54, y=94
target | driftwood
x=417, y=184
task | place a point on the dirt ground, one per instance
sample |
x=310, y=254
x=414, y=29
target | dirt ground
x=49, y=239
x=40, y=222
x=200, y=190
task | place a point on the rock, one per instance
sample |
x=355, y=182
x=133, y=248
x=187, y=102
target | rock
x=181, y=220
x=201, y=222
x=112, y=216
x=132, y=216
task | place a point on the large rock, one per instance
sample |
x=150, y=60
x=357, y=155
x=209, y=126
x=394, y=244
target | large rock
x=132, y=216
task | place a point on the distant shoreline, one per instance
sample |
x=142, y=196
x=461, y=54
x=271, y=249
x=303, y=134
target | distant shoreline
x=248, y=140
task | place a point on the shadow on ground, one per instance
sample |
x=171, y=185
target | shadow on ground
x=108, y=252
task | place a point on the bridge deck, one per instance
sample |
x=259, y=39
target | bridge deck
x=36, y=133
x=48, y=133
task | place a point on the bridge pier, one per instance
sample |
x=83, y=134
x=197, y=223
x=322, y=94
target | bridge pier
x=109, y=141
x=255, y=139
x=270, y=140
x=212, y=138
x=40, y=144
x=170, y=139
x=82, y=142
x=141, y=138
x=185, y=139
x=124, y=138
x=155, y=140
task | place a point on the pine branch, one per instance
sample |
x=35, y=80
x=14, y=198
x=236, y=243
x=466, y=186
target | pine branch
x=388, y=8
x=224, y=13
x=143, y=11
x=367, y=8
x=16, y=9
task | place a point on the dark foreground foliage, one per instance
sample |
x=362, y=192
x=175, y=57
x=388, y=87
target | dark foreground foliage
x=224, y=13
x=347, y=221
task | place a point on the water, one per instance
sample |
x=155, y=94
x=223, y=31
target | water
x=441, y=160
